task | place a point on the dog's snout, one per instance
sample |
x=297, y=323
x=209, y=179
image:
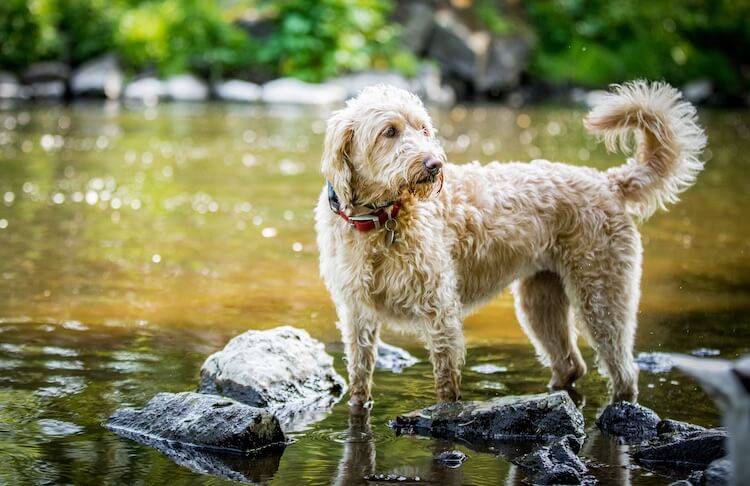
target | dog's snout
x=432, y=165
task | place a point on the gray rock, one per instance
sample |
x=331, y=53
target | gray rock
x=204, y=422
x=101, y=77
x=46, y=71
x=698, y=91
x=237, y=90
x=507, y=58
x=416, y=20
x=393, y=358
x=529, y=417
x=451, y=459
x=281, y=369
x=488, y=369
x=719, y=473
x=682, y=450
x=186, y=87
x=556, y=463
x=428, y=85
x=705, y=352
x=10, y=87
x=452, y=45
x=147, y=90
x=654, y=362
x=294, y=91
x=668, y=426
x=631, y=423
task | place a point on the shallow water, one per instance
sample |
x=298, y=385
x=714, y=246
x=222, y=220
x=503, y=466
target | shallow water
x=136, y=241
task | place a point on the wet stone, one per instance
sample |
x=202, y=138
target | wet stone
x=393, y=358
x=718, y=473
x=557, y=463
x=631, y=423
x=282, y=369
x=668, y=426
x=682, y=451
x=199, y=421
x=451, y=459
x=529, y=417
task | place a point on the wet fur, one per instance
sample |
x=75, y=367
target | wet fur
x=563, y=237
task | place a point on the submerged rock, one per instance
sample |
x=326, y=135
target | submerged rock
x=529, y=417
x=718, y=473
x=452, y=459
x=654, y=362
x=393, y=358
x=199, y=421
x=682, y=450
x=631, y=423
x=282, y=369
x=557, y=463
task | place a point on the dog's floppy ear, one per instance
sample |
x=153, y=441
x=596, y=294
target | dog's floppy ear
x=335, y=163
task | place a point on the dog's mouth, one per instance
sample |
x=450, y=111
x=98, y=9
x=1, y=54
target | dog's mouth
x=428, y=179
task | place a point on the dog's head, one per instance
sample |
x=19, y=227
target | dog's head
x=380, y=145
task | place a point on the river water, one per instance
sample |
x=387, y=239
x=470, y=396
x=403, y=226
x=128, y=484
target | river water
x=135, y=241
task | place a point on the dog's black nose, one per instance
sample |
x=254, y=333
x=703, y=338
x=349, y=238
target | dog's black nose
x=433, y=166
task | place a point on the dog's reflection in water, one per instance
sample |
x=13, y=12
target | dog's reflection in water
x=358, y=463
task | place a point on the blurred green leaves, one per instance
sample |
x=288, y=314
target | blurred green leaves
x=596, y=42
x=317, y=39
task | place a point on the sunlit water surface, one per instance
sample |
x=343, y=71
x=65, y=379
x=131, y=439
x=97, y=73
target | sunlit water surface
x=136, y=241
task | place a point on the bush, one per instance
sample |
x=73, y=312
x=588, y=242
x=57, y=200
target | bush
x=596, y=42
x=20, y=33
x=317, y=39
x=181, y=35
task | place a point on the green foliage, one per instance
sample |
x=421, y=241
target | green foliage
x=493, y=18
x=595, y=42
x=19, y=34
x=321, y=38
x=181, y=35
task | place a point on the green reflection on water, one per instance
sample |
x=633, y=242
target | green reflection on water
x=135, y=242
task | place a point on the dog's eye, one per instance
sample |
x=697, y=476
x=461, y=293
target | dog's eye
x=390, y=132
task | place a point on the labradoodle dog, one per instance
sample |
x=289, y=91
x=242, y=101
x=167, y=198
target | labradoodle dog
x=408, y=240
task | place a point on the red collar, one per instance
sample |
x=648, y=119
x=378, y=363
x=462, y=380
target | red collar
x=374, y=220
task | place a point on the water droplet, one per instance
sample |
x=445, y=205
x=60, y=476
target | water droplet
x=269, y=232
x=297, y=246
x=58, y=198
x=3, y=223
x=9, y=197
x=156, y=258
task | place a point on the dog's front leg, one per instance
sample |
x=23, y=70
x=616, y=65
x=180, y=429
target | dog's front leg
x=360, y=335
x=445, y=341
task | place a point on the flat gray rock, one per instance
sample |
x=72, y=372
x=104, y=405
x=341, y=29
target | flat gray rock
x=529, y=417
x=203, y=422
x=678, y=451
x=281, y=369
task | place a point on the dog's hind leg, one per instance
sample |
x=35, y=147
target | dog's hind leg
x=360, y=336
x=542, y=309
x=605, y=296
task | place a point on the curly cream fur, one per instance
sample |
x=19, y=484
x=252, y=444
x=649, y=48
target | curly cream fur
x=562, y=236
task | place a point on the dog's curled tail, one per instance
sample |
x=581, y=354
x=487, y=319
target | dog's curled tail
x=668, y=143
